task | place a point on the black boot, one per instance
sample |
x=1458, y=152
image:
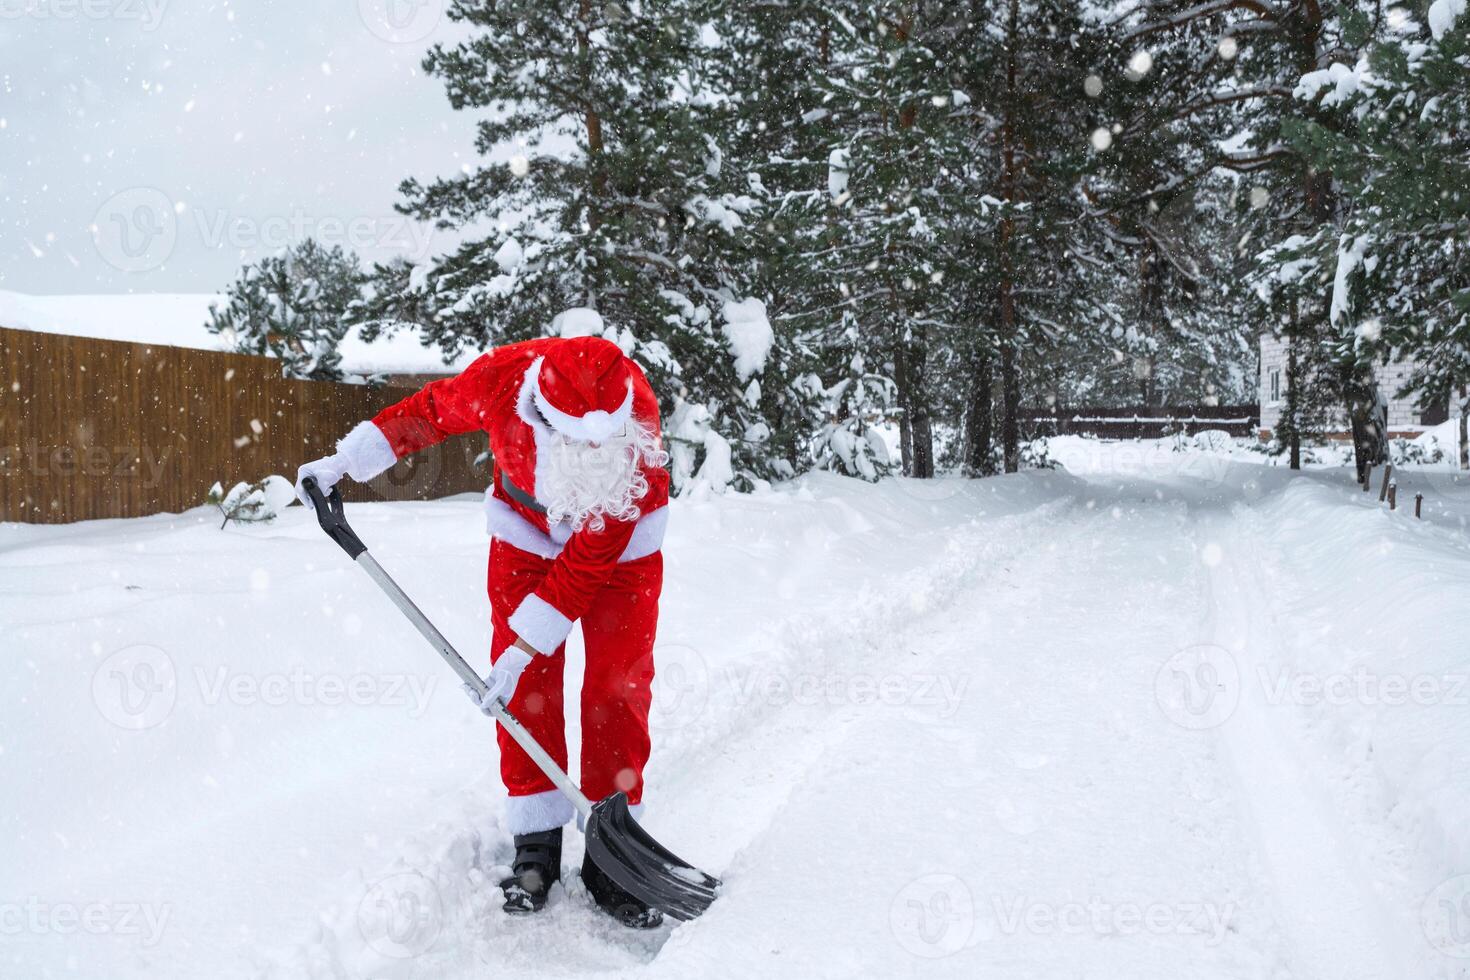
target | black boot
x=616, y=902
x=537, y=866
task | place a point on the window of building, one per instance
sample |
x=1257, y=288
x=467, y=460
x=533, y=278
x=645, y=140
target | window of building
x=1275, y=384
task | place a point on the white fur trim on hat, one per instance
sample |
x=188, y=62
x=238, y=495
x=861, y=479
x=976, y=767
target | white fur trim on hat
x=537, y=812
x=595, y=426
x=540, y=624
x=367, y=451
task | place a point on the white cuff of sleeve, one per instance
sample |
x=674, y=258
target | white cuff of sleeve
x=367, y=452
x=540, y=624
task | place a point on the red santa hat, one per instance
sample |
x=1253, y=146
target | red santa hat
x=584, y=388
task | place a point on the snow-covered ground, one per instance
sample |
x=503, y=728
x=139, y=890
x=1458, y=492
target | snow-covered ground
x=1157, y=715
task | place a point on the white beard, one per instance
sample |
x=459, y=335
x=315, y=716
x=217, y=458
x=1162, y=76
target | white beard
x=584, y=483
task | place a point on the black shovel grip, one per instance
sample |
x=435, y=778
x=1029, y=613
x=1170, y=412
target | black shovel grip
x=330, y=516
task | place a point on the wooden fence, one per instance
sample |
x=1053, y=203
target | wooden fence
x=96, y=428
x=1141, y=421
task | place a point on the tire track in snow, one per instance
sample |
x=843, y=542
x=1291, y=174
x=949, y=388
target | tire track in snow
x=789, y=738
x=1338, y=927
x=1057, y=783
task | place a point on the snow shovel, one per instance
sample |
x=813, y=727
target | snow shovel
x=623, y=850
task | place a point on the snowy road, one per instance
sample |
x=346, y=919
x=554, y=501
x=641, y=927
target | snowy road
x=1156, y=717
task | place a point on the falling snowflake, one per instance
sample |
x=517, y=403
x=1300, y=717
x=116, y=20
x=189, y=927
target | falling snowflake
x=1140, y=64
x=519, y=165
x=1101, y=138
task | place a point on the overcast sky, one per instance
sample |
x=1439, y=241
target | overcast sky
x=155, y=145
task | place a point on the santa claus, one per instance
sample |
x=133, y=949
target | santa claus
x=577, y=508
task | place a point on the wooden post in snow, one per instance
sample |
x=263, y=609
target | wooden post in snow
x=1393, y=496
x=1383, y=489
x=1419, y=506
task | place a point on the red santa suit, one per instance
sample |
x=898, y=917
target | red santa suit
x=547, y=573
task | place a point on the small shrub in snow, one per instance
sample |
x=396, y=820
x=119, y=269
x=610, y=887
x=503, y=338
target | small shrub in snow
x=250, y=503
x=1213, y=440
x=1415, y=452
x=1035, y=455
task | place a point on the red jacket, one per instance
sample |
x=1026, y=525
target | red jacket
x=493, y=395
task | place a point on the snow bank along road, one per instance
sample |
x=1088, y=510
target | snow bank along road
x=1154, y=716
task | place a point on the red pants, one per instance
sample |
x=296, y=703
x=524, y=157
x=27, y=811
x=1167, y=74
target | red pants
x=618, y=633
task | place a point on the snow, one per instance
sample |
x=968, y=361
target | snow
x=179, y=320
x=1343, y=81
x=509, y=256
x=1161, y=714
x=1350, y=254
x=717, y=471
x=839, y=166
x=749, y=335
x=725, y=211
x=1442, y=15
x=579, y=321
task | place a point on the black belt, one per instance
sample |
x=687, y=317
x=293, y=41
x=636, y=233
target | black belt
x=520, y=496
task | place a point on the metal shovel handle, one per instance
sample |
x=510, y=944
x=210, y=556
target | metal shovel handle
x=330, y=515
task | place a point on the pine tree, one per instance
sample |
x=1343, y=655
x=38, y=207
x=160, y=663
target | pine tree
x=292, y=306
x=1035, y=262
x=1164, y=214
x=1236, y=65
x=780, y=132
x=615, y=196
x=887, y=100
x=1402, y=158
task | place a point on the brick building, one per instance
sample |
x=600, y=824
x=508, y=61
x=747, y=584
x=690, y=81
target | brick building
x=1405, y=417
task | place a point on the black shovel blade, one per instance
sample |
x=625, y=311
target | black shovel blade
x=642, y=866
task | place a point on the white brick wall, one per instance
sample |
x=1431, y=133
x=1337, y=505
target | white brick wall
x=1403, y=414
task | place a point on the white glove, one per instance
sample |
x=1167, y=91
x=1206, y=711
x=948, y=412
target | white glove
x=500, y=683
x=328, y=471
x=361, y=454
